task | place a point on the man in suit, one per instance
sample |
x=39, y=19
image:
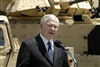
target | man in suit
x=41, y=51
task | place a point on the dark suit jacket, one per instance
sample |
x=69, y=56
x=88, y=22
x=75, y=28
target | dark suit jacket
x=34, y=54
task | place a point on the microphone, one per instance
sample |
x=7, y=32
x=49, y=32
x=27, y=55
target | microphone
x=59, y=44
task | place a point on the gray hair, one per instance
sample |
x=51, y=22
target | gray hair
x=47, y=17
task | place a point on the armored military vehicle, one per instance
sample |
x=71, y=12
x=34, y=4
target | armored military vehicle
x=79, y=28
x=9, y=46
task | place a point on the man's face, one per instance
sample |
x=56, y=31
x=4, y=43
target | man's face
x=49, y=28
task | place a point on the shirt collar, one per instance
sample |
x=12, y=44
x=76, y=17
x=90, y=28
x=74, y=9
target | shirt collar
x=45, y=40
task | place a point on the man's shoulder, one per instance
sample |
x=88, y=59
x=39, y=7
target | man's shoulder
x=29, y=40
x=32, y=39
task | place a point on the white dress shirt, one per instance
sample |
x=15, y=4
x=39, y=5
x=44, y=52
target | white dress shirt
x=46, y=41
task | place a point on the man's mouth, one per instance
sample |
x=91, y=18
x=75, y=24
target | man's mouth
x=51, y=32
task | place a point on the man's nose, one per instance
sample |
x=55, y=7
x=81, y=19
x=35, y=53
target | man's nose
x=52, y=28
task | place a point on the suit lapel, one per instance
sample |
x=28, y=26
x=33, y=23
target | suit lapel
x=55, y=54
x=42, y=48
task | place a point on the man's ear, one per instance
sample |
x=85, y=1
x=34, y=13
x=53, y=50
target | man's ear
x=41, y=25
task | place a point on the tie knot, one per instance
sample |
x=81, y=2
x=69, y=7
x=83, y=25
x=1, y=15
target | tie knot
x=49, y=43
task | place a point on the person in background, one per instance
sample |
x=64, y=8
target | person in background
x=41, y=51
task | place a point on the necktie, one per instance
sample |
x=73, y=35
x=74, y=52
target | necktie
x=50, y=51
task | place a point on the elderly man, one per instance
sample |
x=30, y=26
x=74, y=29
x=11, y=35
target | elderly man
x=41, y=51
